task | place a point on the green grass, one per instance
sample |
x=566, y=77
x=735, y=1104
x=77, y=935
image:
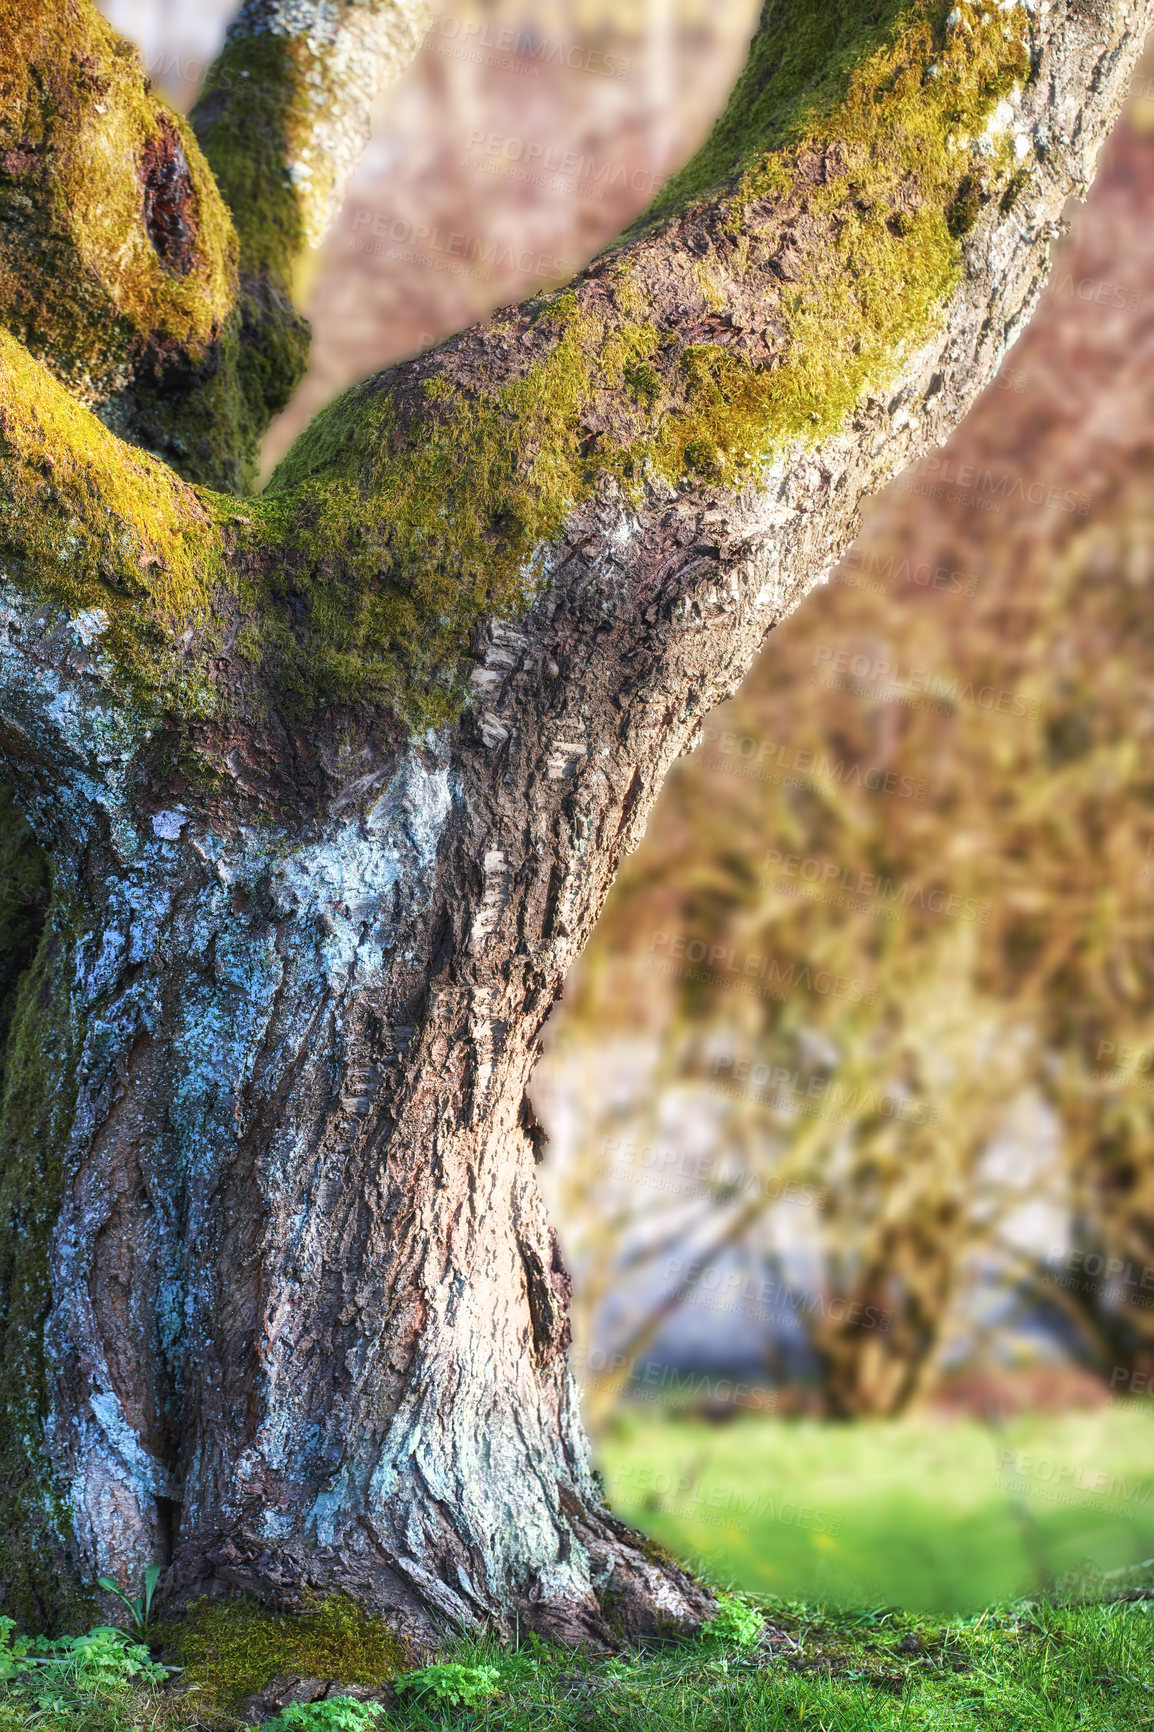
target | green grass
x=908, y=1512
x=1055, y=1665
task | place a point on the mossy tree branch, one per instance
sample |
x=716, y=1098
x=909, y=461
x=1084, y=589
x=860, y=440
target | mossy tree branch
x=119, y=262
x=286, y=112
x=868, y=154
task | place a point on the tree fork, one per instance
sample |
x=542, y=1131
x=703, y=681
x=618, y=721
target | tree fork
x=335, y=782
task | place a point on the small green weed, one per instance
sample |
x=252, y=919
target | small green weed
x=452, y=1686
x=104, y=1659
x=12, y=1651
x=735, y=1626
x=60, y=1679
x=338, y=1714
x=140, y=1609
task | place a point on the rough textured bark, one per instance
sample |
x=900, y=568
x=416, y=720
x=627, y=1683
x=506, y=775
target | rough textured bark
x=335, y=783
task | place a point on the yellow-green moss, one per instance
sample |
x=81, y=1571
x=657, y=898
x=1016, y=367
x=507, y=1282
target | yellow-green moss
x=848, y=87
x=231, y=1648
x=396, y=539
x=88, y=522
x=81, y=281
x=854, y=71
x=209, y=425
x=247, y=120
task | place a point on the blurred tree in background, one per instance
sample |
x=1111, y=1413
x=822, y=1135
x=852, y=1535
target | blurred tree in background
x=930, y=816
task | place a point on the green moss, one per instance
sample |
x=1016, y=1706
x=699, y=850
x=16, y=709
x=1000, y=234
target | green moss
x=245, y=120
x=256, y=120
x=209, y=424
x=847, y=88
x=36, y=1109
x=644, y=381
x=87, y=522
x=231, y=1648
x=404, y=531
x=396, y=537
x=965, y=207
x=75, y=111
x=856, y=72
x=624, y=352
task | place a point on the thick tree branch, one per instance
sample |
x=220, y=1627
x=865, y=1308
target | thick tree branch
x=287, y=110
x=119, y=263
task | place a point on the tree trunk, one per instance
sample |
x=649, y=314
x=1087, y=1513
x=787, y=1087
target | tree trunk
x=306, y=1321
x=281, y=1309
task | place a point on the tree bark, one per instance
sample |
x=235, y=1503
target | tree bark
x=281, y=1309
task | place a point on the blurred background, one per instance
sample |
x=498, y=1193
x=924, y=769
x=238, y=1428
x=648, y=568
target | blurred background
x=851, y=1100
